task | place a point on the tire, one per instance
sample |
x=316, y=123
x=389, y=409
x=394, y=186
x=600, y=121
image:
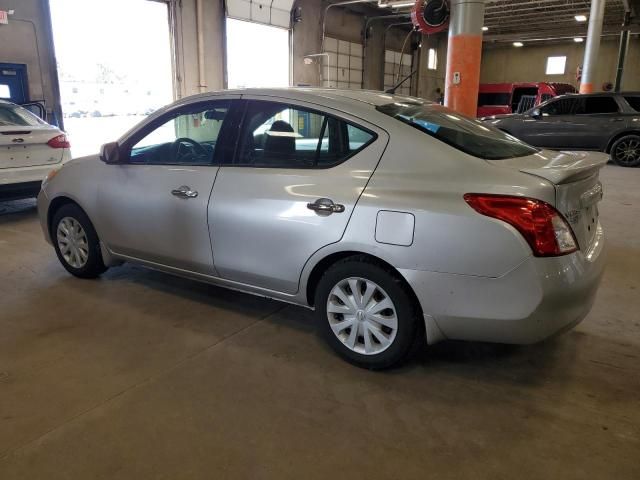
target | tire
x=379, y=283
x=82, y=257
x=626, y=151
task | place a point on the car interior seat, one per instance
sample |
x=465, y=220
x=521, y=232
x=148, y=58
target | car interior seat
x=280, y=142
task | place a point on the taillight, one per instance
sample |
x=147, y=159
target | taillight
x=542, y=226
x=59, y=142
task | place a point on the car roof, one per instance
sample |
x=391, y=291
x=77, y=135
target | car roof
x=370, y=97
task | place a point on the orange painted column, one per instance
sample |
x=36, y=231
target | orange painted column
x=464, y=53
x=596, y=17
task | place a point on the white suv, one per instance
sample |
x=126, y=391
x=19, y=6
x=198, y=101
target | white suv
x=29, y=147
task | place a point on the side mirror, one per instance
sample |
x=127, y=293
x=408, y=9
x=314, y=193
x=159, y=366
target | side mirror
x=110, y=153
x=536, y=113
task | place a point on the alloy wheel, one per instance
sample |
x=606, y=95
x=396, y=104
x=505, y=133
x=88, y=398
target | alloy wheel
x=628, y=151
x=72, y=242
x=362, y=316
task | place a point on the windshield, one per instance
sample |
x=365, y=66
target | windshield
x=468, y=135
x=14, y=115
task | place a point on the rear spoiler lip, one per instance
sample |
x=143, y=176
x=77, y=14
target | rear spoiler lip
x=561, y=167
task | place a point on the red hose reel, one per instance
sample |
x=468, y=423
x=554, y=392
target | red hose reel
x=430, y=16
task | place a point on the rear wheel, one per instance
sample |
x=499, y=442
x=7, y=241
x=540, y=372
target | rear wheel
x=76, y=242
x=366, y=313
x=626, y=151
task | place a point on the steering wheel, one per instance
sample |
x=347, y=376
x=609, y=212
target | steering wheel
x=194, y=148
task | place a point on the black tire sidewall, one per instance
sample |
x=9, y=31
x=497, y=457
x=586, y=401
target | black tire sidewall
x=408, y=321
x=95, y=265
x=615, y=146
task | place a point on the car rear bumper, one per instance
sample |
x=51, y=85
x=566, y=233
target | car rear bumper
x=537, y=299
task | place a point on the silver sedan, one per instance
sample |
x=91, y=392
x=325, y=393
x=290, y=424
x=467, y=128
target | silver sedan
x=396, y=219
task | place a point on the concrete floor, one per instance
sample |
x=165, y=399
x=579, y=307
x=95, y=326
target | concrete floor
x=141, y=375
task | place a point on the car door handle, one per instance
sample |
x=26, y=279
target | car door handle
x=617, y=120
x=184, y=192
x=326, y=206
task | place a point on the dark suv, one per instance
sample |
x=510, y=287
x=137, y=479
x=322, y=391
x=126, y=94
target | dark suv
x=608, y=122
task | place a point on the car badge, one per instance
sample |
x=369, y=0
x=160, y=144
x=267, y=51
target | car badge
x=573, y=216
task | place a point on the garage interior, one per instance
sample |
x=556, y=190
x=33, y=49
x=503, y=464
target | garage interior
x=144, y=375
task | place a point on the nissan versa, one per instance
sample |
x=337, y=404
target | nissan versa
x=394, y=218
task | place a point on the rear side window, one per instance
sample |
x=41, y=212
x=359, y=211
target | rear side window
x=15, y=115
x=468, y=135
x=594, y=105
x=634, y=102
x=485, y=99
x=278, y=135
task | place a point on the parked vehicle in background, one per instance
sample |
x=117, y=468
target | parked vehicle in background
x=503, y=98
x=29, y=147
x=394, y=218
x=606, y=122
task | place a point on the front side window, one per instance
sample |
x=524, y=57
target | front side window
x=14, y=115
x=468, y=135
x=285, y=136
x=188, y=138
x=563, y=106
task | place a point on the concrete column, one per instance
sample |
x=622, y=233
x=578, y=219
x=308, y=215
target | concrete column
x=594, y=33
x=463, y=56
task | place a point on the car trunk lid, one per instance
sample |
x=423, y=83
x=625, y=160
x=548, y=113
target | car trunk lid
x=26, y=146
x=575, y=176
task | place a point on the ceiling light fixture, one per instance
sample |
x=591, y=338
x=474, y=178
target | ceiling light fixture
x=485, y=29
x=578, y=39
x=518, y=44
x=580, y=18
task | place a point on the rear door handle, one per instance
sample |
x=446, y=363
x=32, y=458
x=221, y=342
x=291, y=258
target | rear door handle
x=184, y=192
x=325, y=206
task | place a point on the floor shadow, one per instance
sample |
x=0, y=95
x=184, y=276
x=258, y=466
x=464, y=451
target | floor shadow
x=16, y=210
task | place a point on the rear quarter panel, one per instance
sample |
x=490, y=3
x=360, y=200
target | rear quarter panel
x=426, y=178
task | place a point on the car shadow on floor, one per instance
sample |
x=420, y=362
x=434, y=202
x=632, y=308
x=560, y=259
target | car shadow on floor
x=522, y=364
x=16, y=210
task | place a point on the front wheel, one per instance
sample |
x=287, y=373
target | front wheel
x=366, y=313
x=76, y=242
x=626, y=151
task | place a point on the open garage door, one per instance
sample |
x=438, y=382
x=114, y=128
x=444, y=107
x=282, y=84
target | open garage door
x=276, y=13
x=258, y=53
x=114, y=66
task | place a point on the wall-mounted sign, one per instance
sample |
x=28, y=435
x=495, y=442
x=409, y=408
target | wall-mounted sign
x=4, y=17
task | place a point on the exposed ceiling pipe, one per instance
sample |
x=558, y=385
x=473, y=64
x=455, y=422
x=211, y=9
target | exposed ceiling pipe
x=496, y=39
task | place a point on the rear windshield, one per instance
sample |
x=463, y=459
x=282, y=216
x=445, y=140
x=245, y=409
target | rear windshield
x=11, y=115
x=468, y=135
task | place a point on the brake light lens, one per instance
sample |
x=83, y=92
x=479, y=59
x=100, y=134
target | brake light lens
x=60, y=141
x=542, y=226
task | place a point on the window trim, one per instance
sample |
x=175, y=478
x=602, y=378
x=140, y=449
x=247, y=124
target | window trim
x=126, y=146
x=239, y=131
